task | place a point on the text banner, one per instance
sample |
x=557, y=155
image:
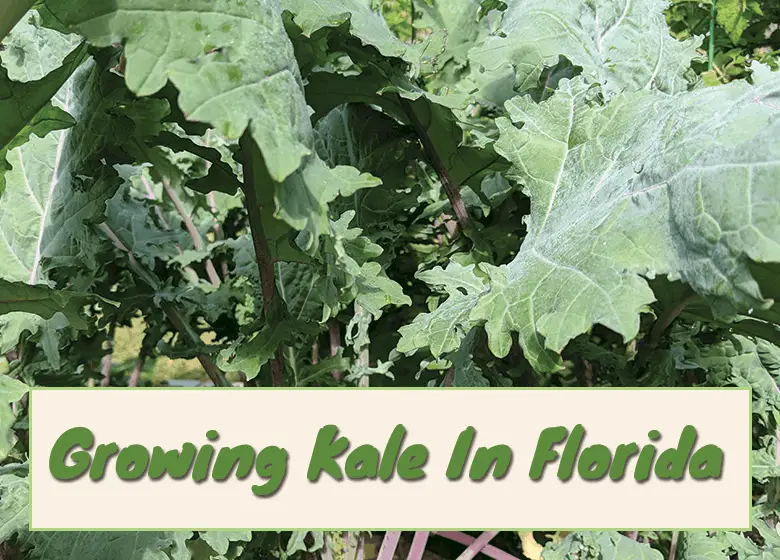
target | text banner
x=121, y=459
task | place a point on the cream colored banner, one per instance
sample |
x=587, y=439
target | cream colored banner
x=291, y=419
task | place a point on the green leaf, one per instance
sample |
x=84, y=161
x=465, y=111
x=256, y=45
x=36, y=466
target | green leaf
x=129, y=545
x=765, y=464
x=364, y=280
x=486, y=6
x=49, y=205
x=736, y=16
x=207, y=49
x=32, y=51
x=466, y=373
x=743, y=361
x=248, y=355
x=628, y=189
x=25, y=108
x=438, y=117
x=219, y=177
x=132, y=223
x=370, y=28
x=14, y=504
x=608, y=545
x=296, y=543
x=11, y=391
x=314, y=372
x=310, y=294
x=700, y=546
x=443, y=330
x=220, y=540
x=18, y=297
x=211, y=57
x=625, y=46
x=11, y=13
x=454, y=28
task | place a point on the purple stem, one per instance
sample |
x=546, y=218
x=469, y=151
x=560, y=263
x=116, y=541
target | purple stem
x=326, y=553
x=106, y=362
x=150, y=195
x=135, y=377
x=105, y=367
x=475, y=547
x=418, y=545
x=360, y=554
x=488, y=550
x=389, y=544
x=193, y=231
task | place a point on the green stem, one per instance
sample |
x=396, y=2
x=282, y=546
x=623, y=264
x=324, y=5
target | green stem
x=11, y=11
x=711, y=50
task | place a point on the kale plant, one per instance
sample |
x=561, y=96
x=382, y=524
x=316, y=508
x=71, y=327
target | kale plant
x=297, y=193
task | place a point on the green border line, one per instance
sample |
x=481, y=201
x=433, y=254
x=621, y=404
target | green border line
x=748, y=527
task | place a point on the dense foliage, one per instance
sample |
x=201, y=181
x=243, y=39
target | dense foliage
x=460, y=193
x=739, y=32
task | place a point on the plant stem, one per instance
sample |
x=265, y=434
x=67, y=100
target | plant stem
x=711, y=49
x=418, y=545
x=105, y=366
x=265, y=263
x=449, y=378
x=389, y=544
x=364, y=356
x=173, y=314
x=135, y=377
x=452, y=190
x=218, y=235
x=326, y=553
x=335, y=345
x=315, y=353
x=197, y=241
x=666, y=319
x=194, y=278
x=477, y=546
x=488, y=550
x=214, y=373
x=11, y=11
x=588, y=367
x=673, y=546
x=189, y=224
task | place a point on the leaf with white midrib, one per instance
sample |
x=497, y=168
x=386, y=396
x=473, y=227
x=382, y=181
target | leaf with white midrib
x=44, y=211
x=26, y=204
x=624, y=45
x=649, y=184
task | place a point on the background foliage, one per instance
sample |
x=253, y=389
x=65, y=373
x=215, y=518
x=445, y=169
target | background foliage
x=421, y=194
